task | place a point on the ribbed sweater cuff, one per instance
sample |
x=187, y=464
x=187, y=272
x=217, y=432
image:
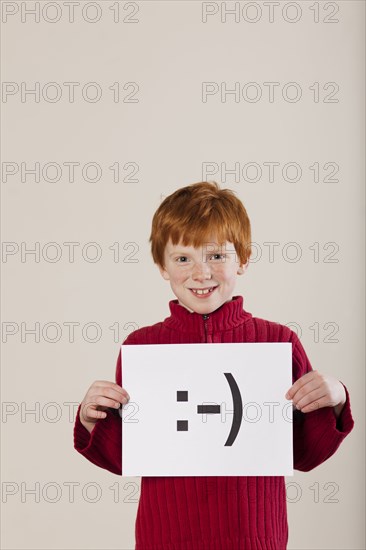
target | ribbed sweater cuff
x=345, y=420
x=103, y=445
x=82, y=438
x=85, y=441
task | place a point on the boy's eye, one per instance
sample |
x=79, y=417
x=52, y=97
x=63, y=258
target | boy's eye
x=221, y=256
x=218, y=256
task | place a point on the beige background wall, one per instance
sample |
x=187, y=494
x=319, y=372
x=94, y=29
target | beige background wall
x=161, y=133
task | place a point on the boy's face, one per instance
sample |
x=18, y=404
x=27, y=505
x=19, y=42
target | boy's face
x=205, y=267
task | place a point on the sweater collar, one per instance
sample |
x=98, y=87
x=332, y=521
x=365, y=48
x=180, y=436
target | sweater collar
x=228, y=316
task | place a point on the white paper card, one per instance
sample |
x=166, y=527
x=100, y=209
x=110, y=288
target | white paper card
x=247, y=431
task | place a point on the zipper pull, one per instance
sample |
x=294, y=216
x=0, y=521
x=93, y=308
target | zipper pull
x=205, y=316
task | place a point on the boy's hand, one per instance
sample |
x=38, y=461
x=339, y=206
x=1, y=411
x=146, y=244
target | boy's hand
x=100, y=396
x=315, y=390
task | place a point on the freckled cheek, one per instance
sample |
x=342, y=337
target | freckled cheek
x=181, y=276
x=222, y=272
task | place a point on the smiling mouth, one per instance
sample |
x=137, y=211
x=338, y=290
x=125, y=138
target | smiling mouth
x=203, y=291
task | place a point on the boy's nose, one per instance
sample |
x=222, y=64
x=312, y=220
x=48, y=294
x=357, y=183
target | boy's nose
x=201, y=271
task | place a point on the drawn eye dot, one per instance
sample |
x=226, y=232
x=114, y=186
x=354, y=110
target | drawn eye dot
x=182, y=425
x=182, y=396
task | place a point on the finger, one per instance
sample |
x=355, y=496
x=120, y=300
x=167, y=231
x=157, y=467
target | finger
x=101, y=401
x=93, y=414
x=318, y=404
x=108, y=384
x=300, y=382
x=90, y=414
x=311, y=386
x=106, y=391
x=309, y=398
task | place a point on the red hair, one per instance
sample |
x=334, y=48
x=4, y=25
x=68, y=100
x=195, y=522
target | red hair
x=192, y=214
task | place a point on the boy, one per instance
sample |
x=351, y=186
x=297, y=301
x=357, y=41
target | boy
x=200, y=240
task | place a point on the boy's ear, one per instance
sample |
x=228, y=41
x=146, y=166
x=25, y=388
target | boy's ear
x=164, y=273
x=242, y=268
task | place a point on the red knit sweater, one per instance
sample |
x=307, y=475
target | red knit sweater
x=217, y=513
